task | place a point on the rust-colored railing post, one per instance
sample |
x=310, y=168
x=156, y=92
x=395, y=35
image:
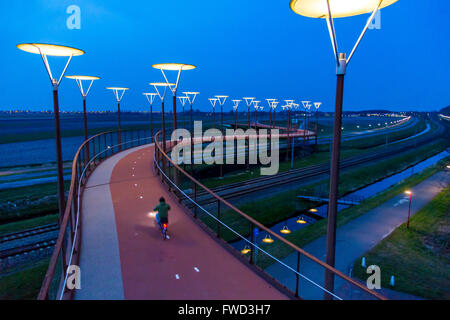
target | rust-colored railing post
x=252, y=240
x=195, y=199
x=218, y=218
x=297, y=277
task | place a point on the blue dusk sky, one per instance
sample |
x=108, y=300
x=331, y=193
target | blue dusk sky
x=241, y=48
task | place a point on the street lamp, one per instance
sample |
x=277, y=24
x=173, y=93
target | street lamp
x=305, y=106
x=327, y=9
x=317, y=106
x=151, y=97
x=409, y=192
x=274, y=107
x=79, y=80
x=256, y=106
x=213, y=104
x=269, y=102
x=161, y=96
x=118, y=96
x=288, y=126
x=173, y=86
x=235, y=107
x=190, y=95
x=183, y=102
x=45, y=50
x=248, y=102
x=221, y=100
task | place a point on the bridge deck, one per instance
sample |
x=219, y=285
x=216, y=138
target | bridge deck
x=123, y=255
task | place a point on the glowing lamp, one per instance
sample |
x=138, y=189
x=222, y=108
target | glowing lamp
x=408, y=192
x=50, y=49
x=339, y=8
x=75, y=77
x=267, y=239
x=300, y=220
x=173, y=66
x=285, y=230
x=313, y=210
x=245, y=250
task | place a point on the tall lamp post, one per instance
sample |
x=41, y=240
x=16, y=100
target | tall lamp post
x=119, y=96
x=190, y=95
x=288, y=126
x=151, y=97
x=274, y=108
x=221, y=100
x=327, y=9
x=46, y=50
x=269, y=102
x=213, y=104
x=317, y=106
x=173, y=86
x=305, y=106
x=248, y=102
x=256, y=106
x=235, y=108
x=183, y=102
x=79, y=80
x=409, y=193
x=161, y=95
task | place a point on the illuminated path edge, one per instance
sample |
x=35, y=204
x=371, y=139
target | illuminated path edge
x=123, y=255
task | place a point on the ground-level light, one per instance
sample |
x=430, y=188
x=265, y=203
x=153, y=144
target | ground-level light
x=285, y=230
x=267, y=239
x=246, y=250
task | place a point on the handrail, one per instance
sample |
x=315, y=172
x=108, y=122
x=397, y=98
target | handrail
x=254, y=222
x=81, y=167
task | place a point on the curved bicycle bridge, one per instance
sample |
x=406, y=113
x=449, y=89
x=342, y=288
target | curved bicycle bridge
x=107, y=231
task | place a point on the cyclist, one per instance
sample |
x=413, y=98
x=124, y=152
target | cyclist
x=162, y=209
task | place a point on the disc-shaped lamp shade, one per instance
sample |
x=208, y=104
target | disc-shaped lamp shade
x=285, y=230
x=301, y=220
x=117, y=88
x=338, y=8
x=161, y=84
x=50, y=49
x=83, y=77
x=245, y=250
x=191, y=92
x=174, y=66
x=267, y=239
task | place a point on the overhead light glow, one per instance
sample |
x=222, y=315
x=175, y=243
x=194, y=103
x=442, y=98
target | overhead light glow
x=50, y=49
x=173, y=66
x=338, y=8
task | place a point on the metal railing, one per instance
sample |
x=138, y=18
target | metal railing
x=296, y=270
x=67, y=248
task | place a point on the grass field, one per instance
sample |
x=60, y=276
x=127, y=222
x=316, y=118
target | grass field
x=24, y=284
x=31, y=201
x=306, y=235
x=284, y=205
x=418, y=257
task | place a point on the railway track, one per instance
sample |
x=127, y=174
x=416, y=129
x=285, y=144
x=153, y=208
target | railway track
x=4, y=254
x=257, y=184
x=28, y=232
x=6, y=240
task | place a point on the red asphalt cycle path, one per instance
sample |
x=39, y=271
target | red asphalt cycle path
x=191, y=265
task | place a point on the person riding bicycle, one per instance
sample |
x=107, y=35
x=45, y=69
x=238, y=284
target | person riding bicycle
x=162, y=209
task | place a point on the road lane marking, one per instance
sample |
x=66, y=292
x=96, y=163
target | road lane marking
x=196, y=269
x=177, y=277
